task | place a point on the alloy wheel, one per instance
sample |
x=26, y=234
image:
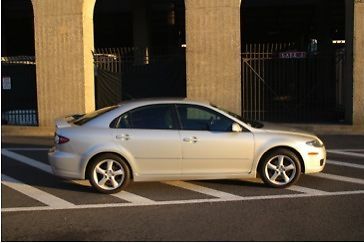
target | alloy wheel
x=109, y=174
x=280, y=170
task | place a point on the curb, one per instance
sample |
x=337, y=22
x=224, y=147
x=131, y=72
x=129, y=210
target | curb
x=26, y=131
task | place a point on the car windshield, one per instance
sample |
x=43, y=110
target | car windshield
x=252, y=123
x=80, y=120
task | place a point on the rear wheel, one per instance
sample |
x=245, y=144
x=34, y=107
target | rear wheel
x=109, y=173
x=280, y=168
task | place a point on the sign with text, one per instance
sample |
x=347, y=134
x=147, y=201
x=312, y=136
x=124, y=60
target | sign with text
x=6, y=83
x=292, y=55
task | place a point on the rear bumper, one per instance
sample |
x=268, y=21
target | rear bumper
x=65, y=165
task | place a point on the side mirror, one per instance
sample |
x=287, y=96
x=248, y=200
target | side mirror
x=236, y=128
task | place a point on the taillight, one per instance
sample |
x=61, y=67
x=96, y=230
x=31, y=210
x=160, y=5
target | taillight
x=58, y=139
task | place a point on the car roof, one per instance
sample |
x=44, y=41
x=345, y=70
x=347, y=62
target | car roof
x=150, y=101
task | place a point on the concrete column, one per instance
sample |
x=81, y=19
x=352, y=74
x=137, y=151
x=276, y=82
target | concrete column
x=213, y=52
x=358, y=75
x=64, y=62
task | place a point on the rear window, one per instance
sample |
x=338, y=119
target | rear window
x=92, y=115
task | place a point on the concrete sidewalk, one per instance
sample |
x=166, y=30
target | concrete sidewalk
x=322, y=129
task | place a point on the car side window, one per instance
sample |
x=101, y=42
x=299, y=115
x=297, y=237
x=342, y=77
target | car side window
x=148, y=117
x=200, y=118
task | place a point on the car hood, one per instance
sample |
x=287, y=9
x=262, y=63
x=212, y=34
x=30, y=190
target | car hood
x=275, y=128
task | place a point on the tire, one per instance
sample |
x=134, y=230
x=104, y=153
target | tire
x=280, y=168
x=108, y=173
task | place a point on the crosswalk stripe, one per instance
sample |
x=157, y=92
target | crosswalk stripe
x=127, y=196
x=306, y=190
x=202, y=189
x=39, y=195
x=193, y=201
x=346, y=153
x=27, y=161
x=340, y=163
x=339, y=178
x=133, y=198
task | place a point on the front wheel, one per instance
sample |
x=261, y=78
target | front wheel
x=109, y=173
x=280, y=168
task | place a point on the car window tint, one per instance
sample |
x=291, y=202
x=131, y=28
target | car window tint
x=153, y=117
x=92, y=115
x=122, y=121
x=201, y=118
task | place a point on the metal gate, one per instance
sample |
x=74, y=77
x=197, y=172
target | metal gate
x=127, y=73
x=282, y=84
x=18, y=91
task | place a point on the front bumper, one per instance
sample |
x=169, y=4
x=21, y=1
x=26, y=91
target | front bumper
x=314, y=159
x=65, y=165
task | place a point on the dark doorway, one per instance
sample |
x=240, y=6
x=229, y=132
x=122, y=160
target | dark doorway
x=293, y=57
x=18, y=74
x=139, y=49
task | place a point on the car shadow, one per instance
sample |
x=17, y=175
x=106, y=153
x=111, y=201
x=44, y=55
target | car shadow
x=237, y=182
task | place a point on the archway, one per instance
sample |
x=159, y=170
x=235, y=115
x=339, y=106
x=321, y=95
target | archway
x=293, y=60
x=19, y=94
x=139, y=49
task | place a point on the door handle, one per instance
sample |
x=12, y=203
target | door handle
x=123, y=137
x=190, y=140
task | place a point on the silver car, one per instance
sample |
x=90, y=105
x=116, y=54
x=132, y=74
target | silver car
x=178, y=139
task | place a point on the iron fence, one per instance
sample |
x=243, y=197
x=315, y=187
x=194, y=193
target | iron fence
x=131, y=72
x=19, y=117
x=18, y=93
x=282, y=84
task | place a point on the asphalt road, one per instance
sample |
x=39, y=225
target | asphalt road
x=36, y=206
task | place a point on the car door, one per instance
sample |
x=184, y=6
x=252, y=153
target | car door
x=150, y=134
x=208, y=144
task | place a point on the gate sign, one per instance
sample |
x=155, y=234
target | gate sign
x=292, y=55
x=6, y=83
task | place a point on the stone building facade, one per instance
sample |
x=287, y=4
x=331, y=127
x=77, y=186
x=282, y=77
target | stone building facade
x=64, y=41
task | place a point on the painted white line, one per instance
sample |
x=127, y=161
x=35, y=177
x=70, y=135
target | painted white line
x=346, y=164
x=123, y=195
x=28, y=161
x=306, y=190
x=202, y=189
x=348, y=149
x=127, y=196
x=345, y=153
x=28, y=149
x=195, y=201
x=39, y=195
x=339, y=178
x=133, y=198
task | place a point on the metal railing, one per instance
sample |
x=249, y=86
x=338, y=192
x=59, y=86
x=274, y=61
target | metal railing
x=281, y=83
x=19, y=117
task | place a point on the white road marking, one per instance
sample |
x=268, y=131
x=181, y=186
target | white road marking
x=133, y=198
x=137, y=200
x=28, y=161
x=333, y=151
x=339, y=178
x=28, y=149
x=346, y=164
x=127, y=196
x=202, y=189
x=306, y=190
x=349, y=149
x=178, y=202
x=33, y=192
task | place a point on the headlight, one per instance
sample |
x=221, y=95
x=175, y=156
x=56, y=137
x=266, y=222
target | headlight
x=315, y=143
